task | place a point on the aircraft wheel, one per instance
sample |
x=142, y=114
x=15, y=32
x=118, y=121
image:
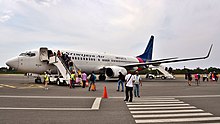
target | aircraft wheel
x=38, y=80
x=58, y=82
x=102, y=77
x=163, y=77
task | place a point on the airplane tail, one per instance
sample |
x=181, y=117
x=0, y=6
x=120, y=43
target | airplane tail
x=147, y=55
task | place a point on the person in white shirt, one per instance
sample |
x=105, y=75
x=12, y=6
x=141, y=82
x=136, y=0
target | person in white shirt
x=137, y=84
x=129, y=78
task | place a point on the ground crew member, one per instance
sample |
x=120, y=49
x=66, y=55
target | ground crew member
x=46, y=80
x=72, y=79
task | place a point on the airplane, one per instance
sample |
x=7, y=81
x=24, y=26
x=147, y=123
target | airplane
x=40, y=60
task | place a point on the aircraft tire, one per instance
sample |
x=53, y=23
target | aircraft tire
x=102, y=77
x=163, y=77
x=58, y=82
x=38, y=80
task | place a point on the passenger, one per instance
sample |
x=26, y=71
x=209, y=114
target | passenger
x=72, y=79
x=137, y=84
x=84, y=78
x=213, y=76
x=79, y=73
x=196, y=79
x=205, y=77
x=121, y=81
x=129, y=86
x=189, y=78
x=92, y=81
x=46, y=80
x=70, y=66
x=59, y=53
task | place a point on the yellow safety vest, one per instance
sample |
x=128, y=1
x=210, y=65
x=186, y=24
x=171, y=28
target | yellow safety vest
x=46, y=77
x=72, y=76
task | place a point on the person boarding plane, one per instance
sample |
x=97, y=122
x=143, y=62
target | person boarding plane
x=38, y=61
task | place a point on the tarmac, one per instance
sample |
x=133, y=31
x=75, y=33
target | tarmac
x=162, y=101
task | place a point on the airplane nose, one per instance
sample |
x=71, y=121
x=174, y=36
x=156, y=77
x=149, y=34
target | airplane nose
x=13, y=63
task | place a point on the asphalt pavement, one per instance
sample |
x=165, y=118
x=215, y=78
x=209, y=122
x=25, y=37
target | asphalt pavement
x=162, y=101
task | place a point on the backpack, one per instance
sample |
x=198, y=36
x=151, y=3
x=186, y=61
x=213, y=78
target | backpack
x=92, y=77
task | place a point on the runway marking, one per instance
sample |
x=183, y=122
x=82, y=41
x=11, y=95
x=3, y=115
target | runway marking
x=161, y=110
x=95, y=106
x=8, y=86
x=46, y=97
x=170, y=97
x=48, y=109
x=178, y=120
x=171, y=115
x=31, y=86
x=146, y=103
x=164, y=108
x=158, y=105
x=166, y=111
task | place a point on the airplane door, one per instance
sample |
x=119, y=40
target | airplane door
x=44, y=54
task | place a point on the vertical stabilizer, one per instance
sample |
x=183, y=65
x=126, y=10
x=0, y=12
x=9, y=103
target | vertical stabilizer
x=147, y=55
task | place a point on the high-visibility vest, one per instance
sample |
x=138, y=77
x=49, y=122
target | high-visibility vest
x=46, y=77
x=72, y=76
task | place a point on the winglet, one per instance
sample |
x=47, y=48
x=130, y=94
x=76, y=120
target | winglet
x=209, y=51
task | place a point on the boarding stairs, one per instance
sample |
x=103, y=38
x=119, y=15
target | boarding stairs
x=165, y=73
x=61, y=66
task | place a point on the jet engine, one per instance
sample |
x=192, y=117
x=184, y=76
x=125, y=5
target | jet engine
x=113, y=71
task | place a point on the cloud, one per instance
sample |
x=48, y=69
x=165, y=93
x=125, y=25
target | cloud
x=114, y=26
x=5, y=15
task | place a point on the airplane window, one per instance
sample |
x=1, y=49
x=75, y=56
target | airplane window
x=22, y=54
x=29, y=54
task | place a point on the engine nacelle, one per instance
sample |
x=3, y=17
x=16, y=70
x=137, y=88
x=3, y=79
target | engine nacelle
x=113, y=71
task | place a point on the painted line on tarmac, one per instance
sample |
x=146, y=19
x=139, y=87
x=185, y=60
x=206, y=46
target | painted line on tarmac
x=48, y=109
x=95, y=106
x=47, y=97
x=159, y=105
x=169, y=97
x=190, y=96
x=163, y=108
x=178, y=120
x=8, y=86
x=166, y=111
x=146, y=103
x=172, y=115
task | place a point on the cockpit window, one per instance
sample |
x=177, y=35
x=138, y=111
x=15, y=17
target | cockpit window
x=28, y=54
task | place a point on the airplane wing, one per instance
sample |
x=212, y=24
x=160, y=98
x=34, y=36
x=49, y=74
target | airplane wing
x=168, y=60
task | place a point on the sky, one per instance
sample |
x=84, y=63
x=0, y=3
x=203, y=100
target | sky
x=182, y=28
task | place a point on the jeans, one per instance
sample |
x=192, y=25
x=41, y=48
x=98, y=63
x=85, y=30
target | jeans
x=122, y=85
x=127, y=90
x=136, y=90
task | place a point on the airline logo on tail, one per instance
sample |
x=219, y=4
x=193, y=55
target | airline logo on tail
x=147, y=55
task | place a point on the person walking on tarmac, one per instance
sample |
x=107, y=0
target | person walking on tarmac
x=46, y=80
x=129, y=86
x=72, y=79
x=189, y=75
x=121, y=81
x=92, y=81
x=84, y=78
x=137, y=84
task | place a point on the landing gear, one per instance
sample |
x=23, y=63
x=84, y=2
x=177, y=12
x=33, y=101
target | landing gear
x=102, y=77
x=38, y=80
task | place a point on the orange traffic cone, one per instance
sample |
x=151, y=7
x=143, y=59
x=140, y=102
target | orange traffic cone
x=105, y=95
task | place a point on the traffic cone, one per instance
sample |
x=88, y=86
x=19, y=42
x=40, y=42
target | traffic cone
x=105, y=95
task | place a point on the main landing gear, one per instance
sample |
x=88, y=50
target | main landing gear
x=102, y=77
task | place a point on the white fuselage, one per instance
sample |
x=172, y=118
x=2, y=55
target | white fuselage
x=30, y=62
